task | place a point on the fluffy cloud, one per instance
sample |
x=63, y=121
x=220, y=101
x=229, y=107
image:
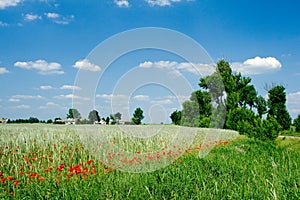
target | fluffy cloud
x=8, y=3
x=21, y=107
x=257, y=65
x=122, y=3
x=70, y=87
x=195, y=68
x=52, y=15
x=71, y=96
x=20, y=96
x=31, y=17
x=161, y=2
x=3, y=70
x=87, y=65
x=52, y=105
x=42, y=66
x=46, y=87
x=141, y=97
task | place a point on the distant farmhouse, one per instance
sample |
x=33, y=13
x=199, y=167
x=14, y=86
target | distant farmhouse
x=125, y=122
x=3, y=120
x=101, y=122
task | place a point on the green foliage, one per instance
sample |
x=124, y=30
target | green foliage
x=138, y=116
x=94, y=116
x=297, y=123
x=73, y=114
x=49, y=121
x=261, y=106
x=176, y=117
x=107, y=120
x=277, y=107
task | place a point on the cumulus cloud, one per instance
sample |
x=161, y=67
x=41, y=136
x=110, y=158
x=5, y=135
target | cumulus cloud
x=21, y=96
x=46, y=87
x=257, y=65
x=3, y=70
x=8, y=3
x=21, y=107
x=175, y=67
x=85, y=64
x=141, y=97
x=32, y=17
x=42, y=66
x=161, y=3
x=52, y=15
x=70, y=87
x=52, y=105
x=13, y=100
x=160, y=102
x=71, y=96
x=122, y=3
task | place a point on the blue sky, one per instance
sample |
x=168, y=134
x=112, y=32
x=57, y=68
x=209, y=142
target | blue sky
x=43, y=44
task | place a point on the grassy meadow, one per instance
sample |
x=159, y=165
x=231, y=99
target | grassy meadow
x=111, y=162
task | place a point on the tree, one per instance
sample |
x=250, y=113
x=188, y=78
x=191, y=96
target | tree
x=33, y=120
x=94, y=116
x=176, y=117
x=49, y=121
x=118, y=117
x=107, y=120
x=138, y=116
x=113, y=119
x=261, y=106
x=73, y=114
x=277, y=107
x=297, y=123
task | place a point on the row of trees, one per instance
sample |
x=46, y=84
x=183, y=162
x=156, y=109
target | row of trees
x=235, y=104
x=93, y=116
x=112, y=119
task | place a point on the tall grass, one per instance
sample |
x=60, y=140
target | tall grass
x=57, y=162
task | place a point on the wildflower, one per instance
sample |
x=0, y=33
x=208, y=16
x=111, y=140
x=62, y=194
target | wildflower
x=34, y=175
x=179, y=160
x=90, y=161
x=41, y=178
x=10, y=178
x=3, y=180
x=21, y=173
x=1, y=173
x=17, y=182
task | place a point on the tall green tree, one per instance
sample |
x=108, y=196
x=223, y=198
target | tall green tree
x=297, y=123
x=73, y=114
x=261, y=106
x=118, y=117
x=94, y=116
x=138, y=116
x=277, y=107
x=176, y=117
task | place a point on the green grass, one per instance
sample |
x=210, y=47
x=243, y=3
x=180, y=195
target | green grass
x=242, y=169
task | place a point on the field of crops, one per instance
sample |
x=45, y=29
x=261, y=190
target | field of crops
x=139, y=162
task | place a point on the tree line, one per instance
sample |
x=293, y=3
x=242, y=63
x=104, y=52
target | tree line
x=235, y=104
x=93, y=117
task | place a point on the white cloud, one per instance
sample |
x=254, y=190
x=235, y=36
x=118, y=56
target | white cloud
x=3, y=23
x=31, y=17
x=8, y=3
x=13, y=100
x=21, y=107
x=122, y=3
x=42, y=66
x=141, y=97
x=87, y=65
x=71, y=96
x=3, y=70
x=52, y=15
x=70, y=87
x=161, y=2
x=175, y=67
x=257, y=65
x=160, y=102
x=17, y=98
x=52, y=105
x=46, y=87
